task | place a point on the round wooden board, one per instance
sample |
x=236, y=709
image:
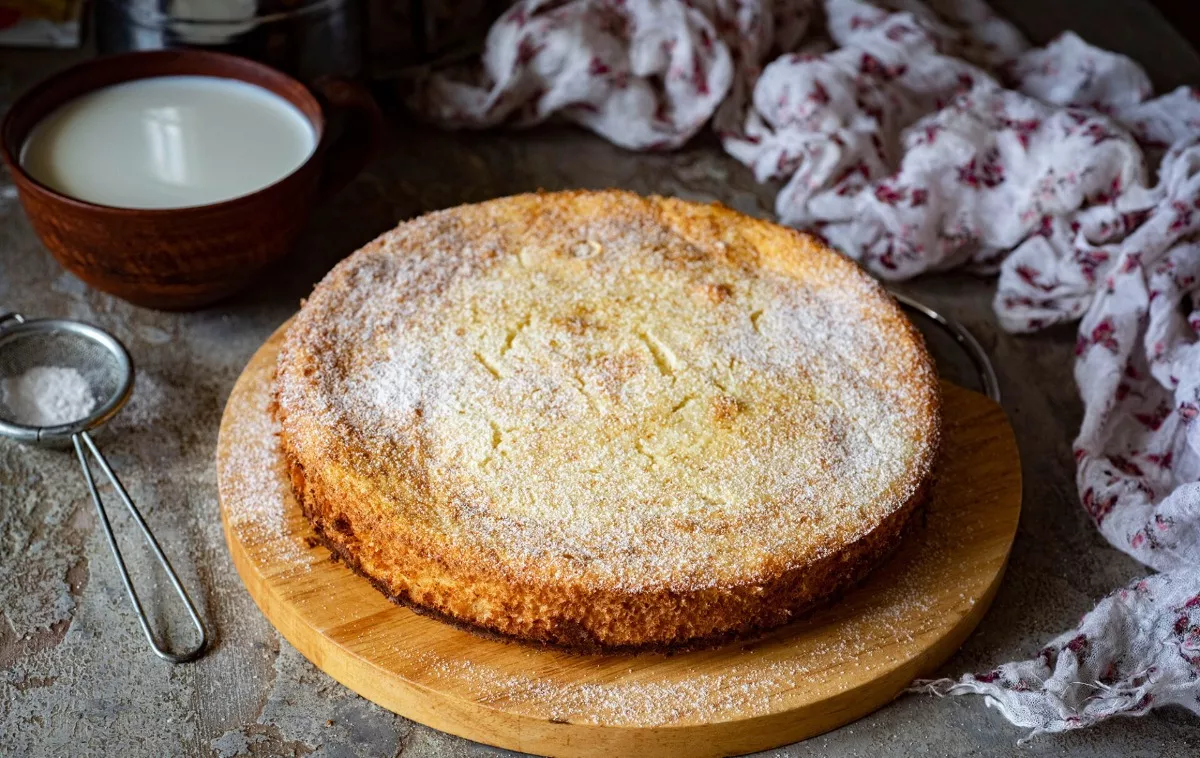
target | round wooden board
x=835, y=666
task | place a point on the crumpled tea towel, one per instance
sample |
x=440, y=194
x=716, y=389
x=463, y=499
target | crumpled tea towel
x=916, y=136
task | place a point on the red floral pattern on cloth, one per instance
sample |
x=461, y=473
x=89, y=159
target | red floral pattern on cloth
x=917, y=136
x=645, y=74
x=1138, y=649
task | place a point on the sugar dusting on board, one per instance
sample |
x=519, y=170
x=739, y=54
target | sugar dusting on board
x=700, y=695
x=253, y=485
x=836, y=650
x=47, y=396
x=822, y=659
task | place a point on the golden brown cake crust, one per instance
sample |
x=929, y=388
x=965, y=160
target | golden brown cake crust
x=595, y=419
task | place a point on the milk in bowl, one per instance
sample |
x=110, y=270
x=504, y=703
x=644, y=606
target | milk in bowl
x=168, y=142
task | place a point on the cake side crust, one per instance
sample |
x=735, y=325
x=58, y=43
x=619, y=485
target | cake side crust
x=588, y=619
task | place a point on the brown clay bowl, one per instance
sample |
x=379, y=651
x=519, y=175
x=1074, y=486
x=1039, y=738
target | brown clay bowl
x=181, y=258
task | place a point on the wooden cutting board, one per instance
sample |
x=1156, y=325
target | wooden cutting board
x=836, y=666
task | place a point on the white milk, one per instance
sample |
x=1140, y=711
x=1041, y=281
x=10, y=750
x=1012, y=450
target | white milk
x=169, y=142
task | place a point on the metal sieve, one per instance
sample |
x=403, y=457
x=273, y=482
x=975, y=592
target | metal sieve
x=106, y=366
x=964, y=339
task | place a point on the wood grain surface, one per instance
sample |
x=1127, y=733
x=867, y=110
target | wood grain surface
x=836, y=666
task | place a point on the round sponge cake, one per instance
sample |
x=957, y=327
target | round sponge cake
x=600, y=420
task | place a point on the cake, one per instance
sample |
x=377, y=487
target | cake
x=605, y=421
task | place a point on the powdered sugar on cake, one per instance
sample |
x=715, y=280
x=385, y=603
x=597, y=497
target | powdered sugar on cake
x=645, y=404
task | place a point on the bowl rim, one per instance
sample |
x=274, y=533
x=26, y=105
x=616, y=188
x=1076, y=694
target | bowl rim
x=153, y=62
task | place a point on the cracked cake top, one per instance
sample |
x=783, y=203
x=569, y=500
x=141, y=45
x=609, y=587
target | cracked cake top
x=611, y=390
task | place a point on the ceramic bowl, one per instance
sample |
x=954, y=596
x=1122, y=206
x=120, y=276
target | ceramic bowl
x=182, y=258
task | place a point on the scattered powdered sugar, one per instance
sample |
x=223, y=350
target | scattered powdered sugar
x=47, y=396
x=702, y=694
x=640, y=703
x=253, y=484
x=614, y=390
x=392, y=388
x=835, y=652
x=146, y=406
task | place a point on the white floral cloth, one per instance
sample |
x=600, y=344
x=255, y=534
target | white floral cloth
x=917, y=136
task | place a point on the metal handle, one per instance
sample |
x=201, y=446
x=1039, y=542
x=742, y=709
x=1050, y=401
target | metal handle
x=965, y=340
x=80, y=441
x=6, y=316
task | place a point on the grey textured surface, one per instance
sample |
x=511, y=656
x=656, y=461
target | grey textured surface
x=77, y=678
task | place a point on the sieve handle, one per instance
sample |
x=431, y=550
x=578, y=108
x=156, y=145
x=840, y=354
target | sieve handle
x=82, y=440
x=7, y=316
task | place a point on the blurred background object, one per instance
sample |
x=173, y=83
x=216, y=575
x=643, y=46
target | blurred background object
x=40, y=23
x=406, y=34
x=305, y=38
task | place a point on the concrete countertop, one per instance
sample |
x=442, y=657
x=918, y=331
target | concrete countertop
x=76, y=677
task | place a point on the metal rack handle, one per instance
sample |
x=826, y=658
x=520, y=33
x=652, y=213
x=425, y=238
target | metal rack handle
x=963, y=337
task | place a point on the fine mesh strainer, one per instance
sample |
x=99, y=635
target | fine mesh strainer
x=106, y=366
